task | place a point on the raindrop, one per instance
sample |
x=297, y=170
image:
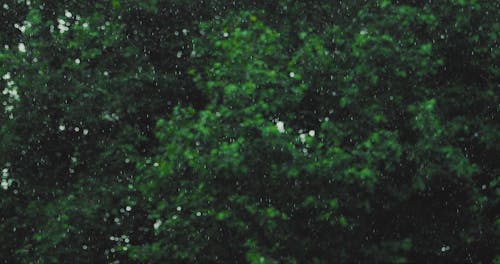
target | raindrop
x=21, y=47
x=302, y=138
x=280, y=126
x=5, y=184
x=445, y=248
x=157, y=224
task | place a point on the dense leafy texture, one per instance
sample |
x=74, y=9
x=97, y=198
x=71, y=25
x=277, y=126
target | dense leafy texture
x=284, y=132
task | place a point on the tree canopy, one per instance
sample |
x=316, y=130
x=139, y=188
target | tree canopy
x=282, y=131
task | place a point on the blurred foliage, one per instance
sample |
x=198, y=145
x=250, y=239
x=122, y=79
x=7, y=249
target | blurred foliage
x=253, y=131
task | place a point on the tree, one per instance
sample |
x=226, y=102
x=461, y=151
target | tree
x=350, y=148
x=261, y=132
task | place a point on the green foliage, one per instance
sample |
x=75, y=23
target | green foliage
x=260, y=132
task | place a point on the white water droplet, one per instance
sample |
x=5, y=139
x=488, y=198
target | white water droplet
x=302, y=138
x=4, y=184
x=21, y=47
x=157, y=224
x=445, y=248
x=280, y=126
